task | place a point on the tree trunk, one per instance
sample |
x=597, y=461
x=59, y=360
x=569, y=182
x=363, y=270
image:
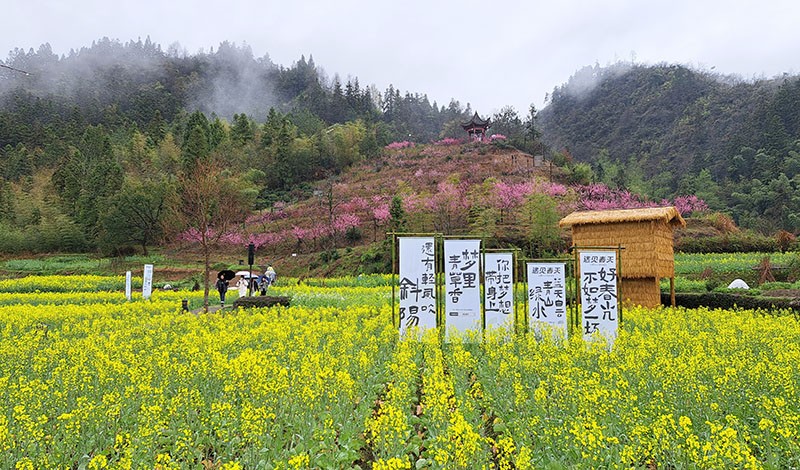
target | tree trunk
x=207, y=269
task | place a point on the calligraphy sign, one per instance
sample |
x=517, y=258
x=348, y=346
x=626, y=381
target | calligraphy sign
x=547, y=304
x=598, y=290
x=498, y=295
x=462, y=285
x=417, y=283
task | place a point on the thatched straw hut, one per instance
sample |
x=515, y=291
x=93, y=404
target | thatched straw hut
x=645, y=235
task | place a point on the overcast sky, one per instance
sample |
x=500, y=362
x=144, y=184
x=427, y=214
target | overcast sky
x=488, y=54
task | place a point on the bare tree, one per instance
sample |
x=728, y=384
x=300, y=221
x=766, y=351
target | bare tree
x=212, y=203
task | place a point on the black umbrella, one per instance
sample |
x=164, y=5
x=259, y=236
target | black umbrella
x=227, y=274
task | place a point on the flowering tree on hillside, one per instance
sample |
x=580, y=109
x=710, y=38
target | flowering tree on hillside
x=399, y=145
x=598, y=196
x=449, y=206
x=689, y=204
x=211, y=203
x=507, y=197
x=300, y=234
x=344, y=222
x=380, y=215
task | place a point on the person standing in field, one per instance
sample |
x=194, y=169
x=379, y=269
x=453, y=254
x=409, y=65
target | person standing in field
x=269, y=278
x=222, y=288
x=242, y=286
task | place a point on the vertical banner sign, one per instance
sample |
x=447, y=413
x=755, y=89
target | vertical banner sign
x=598, y=284
x=498, y=298
x=462, y=285
x=547, y=297
x=147, y=281
x=417, y=283
x=128, y=285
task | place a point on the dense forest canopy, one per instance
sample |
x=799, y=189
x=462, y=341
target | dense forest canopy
x=667, y=129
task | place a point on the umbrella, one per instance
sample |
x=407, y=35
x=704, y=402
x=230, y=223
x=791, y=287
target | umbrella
x=246, y=274
x=227, y=273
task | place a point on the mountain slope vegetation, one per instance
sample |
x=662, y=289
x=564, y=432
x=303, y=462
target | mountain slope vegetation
x=667, y=129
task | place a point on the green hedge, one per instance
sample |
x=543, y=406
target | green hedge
x=735, y=243
x=724, y=300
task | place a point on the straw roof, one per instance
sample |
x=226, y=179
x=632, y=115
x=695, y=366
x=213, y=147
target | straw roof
x=645, y=234
x=669, y=215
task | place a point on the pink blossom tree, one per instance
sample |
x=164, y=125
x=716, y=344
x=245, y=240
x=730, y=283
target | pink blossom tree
x=380, y=215
x=449, y=206
x=507, y=197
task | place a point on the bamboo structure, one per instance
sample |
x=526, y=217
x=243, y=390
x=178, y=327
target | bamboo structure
x=646, y=235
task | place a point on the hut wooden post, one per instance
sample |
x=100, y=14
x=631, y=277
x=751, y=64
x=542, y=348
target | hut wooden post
x=672, y=291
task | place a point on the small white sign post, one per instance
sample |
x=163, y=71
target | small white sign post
x=147, y=281
x=598, y=290
x=128, y=285
x=498, y=293
x=547, y=306
x=417, y=283
x=462, y=261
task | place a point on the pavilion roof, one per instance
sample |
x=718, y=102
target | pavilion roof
x=476, y=121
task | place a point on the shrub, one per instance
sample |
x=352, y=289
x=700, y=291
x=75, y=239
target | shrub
x=734, y=243
x=729, y=301
x=353, y=235
x=377, y=259
x=785, y=240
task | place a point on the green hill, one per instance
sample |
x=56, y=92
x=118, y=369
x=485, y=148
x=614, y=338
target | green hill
x=667, y=129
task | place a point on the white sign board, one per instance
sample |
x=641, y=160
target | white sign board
x=498, y=295
x=417, y=283
x=128, y=285
x=598, y=290
x=462, y=267
x=147, y=281
x=547, y=305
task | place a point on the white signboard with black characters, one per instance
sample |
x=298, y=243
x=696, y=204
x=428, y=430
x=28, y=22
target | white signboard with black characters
x=547, y=304
x=498, y=295
x=417, y=283
x=598, y=291
x=462, y=264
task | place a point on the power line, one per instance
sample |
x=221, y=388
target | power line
x=12, y=68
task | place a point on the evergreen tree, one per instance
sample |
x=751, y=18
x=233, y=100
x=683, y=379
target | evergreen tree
x=243, y=130
x=87, y=178
x=397, y=220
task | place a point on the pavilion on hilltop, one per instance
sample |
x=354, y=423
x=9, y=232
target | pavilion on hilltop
x=476, y=127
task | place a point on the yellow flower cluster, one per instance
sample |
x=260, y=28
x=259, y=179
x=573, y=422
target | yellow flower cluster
x=81, y=283
x=454, y=439
x=388, y=430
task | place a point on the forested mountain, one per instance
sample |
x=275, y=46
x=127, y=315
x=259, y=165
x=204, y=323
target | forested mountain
x=666, y=129
x=103, y=147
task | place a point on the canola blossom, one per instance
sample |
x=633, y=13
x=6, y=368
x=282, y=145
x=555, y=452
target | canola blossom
x=91, y=381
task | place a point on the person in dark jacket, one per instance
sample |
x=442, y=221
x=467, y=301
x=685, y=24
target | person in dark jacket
x=222, y=288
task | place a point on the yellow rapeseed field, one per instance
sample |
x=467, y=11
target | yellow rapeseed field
x=88, y=380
